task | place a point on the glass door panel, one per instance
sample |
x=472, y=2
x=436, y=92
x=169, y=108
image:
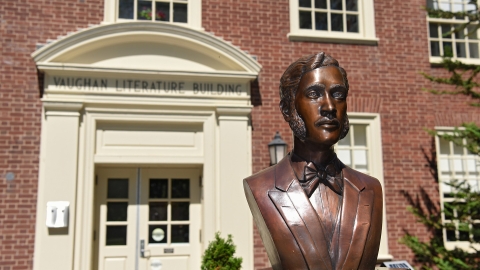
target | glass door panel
x=170, y=217
x=146, y=218
x=115, y=236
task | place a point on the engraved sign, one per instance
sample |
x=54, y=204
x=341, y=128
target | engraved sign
x=144, y=86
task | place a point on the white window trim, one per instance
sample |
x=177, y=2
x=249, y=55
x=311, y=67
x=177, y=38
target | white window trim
x=375, y=162
x=194, y=14
x=438, y=59
x=366, y=35
x=449, y=245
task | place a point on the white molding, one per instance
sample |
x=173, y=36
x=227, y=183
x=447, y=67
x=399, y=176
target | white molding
x=470, y=61
x=58, y=113
x=90, y=38
x=103, y=102
x=442, y=20
x=62, y=107
x=146, y=160
x=318, y=37
x=375, y=161
x=443, y=129
x=80, y=69
x=234, y=111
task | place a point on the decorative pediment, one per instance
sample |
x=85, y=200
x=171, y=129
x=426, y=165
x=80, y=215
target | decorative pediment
x=145, y=47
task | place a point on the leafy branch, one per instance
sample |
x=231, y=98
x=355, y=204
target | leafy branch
x=460, y=216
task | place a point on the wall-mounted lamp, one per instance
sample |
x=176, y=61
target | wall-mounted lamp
x=277, y=149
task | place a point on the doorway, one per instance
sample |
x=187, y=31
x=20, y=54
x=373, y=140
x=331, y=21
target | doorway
x=147, y=218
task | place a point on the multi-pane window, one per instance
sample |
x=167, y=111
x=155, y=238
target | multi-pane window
x=361, y=150
x=455, y=163
x=329, y=15
x=154, y=10
x=169, y=214
x=339, y=21
x=443, y=41
x=117, y=206
x=353, y=149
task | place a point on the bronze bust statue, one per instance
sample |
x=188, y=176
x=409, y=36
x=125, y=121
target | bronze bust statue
x=312, y=211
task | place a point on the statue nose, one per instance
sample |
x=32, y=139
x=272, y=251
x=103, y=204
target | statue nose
x=327, y=108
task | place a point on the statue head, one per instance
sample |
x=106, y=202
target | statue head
x=316, y=66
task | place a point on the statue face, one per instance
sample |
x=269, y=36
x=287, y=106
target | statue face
x=321, y=103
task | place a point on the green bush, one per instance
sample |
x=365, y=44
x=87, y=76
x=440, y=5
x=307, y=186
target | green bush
x=219, y=255
x=463, y=80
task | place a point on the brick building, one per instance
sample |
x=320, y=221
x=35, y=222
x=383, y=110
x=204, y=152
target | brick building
x=158, y=118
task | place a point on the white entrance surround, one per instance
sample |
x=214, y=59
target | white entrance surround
x=142, y=94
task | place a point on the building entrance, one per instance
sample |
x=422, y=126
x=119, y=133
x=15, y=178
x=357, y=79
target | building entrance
x=147, y=218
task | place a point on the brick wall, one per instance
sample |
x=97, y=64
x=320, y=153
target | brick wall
x=23, y=24
x=383, y=79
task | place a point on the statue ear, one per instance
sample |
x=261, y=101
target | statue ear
x=285, y=109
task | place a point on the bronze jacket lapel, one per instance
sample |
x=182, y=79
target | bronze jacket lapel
x=300, y=216
x=355, y=224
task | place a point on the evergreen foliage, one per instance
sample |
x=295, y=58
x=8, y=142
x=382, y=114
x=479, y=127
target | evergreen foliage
x=432, y=254
x=219, y=255
x=463, y=80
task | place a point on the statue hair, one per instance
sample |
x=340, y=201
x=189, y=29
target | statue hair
x=289, y=84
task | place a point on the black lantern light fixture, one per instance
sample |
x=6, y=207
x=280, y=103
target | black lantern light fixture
x=277, y=149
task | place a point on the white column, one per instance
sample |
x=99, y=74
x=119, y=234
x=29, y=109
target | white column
x=57, y=182
x=234, y=144
x=209, y=198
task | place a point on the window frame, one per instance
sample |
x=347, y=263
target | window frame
x=375, y=166
x=194, y=16
x=453, y=22
x=366, y=27
x=450, y=245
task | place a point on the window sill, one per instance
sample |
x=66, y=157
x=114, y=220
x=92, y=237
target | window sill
x=436, y=60
x=119, y=21
x=465, y=245
x=335, y=38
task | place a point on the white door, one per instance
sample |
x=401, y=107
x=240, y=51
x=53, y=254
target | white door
x=148, y=218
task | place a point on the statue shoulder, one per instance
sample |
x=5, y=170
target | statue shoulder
x=361, y=178
x=265, y=178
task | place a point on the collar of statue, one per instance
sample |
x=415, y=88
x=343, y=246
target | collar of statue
x=330, y=175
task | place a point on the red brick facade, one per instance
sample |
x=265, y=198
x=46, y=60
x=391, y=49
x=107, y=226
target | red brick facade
x=22, y=26
x=384, y=79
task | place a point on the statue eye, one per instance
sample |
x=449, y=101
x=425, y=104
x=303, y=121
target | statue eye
x=339, y=94
x=312, y=94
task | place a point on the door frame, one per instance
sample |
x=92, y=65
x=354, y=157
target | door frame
x=140, y=176
x=225, y=160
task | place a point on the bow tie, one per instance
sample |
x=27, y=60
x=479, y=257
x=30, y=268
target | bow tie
x=327, y=176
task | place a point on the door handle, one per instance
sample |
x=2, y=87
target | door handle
x=142, y=248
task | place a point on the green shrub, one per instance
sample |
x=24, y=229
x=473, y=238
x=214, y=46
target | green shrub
x=219, y=255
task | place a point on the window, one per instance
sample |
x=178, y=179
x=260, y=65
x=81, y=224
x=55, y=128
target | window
x=342, y=21
x=186, y=12
x=463, y=45
x=151, y=10
x=456, y=163
x=353, y=149
x=361, y=150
